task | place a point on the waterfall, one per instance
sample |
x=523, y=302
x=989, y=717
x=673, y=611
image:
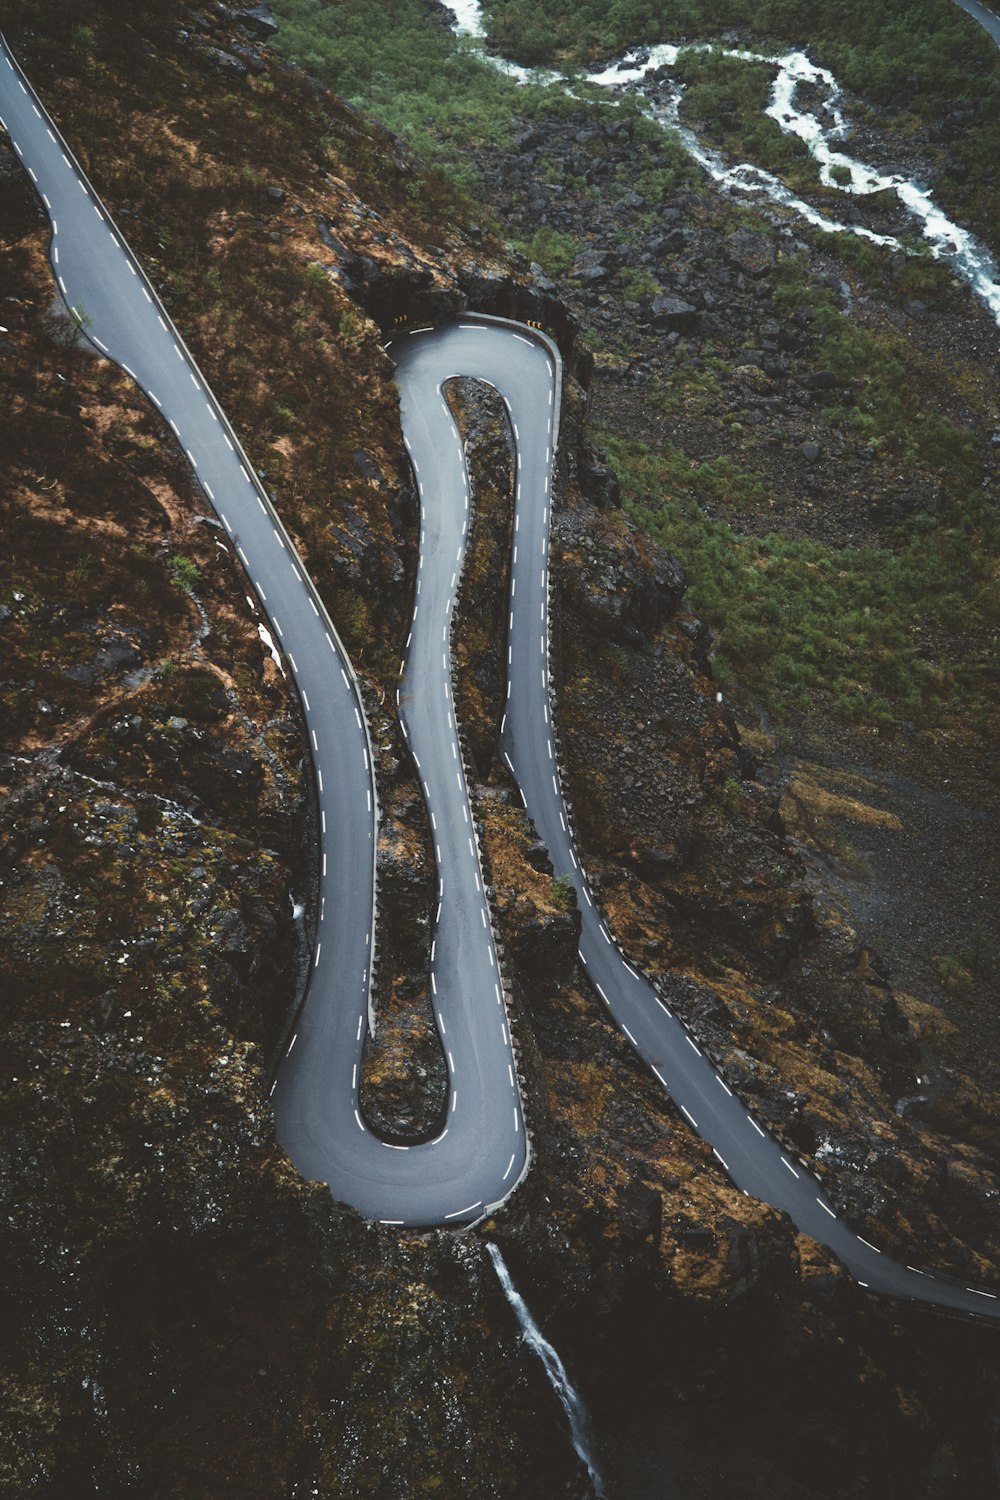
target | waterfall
x=554, y=1369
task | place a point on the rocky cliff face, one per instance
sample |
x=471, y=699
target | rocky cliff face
x=187, y=1317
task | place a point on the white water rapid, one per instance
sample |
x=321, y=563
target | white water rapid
x=554, y=1369
x=967, y=256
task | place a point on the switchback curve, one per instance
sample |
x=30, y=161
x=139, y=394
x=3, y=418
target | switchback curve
x=315, y=1106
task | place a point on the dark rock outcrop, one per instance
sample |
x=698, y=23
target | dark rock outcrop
x=621, y=581
x=674, y=315
x=257, y=19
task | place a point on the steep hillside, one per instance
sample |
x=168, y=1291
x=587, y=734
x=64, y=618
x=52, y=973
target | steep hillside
x=187, y=1318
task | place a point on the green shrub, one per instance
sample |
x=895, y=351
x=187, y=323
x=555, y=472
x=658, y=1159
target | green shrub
x=185, y=573
x=555, y=252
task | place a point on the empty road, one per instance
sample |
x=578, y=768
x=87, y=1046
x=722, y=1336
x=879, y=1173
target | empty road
x=481, y=1150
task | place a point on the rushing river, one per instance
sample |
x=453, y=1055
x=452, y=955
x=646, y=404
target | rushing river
x=647, y=70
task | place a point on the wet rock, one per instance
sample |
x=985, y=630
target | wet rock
x=750, y=252
x=622, y=582
x=594, y=266
x=674, y=315
x=226, y=62
x=597, y=481
x=257, y=19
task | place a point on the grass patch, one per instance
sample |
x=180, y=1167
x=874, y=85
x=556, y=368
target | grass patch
x=555, y=252
x=802, y=624
x=408, y=70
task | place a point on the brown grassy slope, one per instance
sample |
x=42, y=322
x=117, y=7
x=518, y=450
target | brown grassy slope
x=184, y=1316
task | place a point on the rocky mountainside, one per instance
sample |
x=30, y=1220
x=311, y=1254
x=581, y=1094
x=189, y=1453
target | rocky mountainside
x=187, y=1318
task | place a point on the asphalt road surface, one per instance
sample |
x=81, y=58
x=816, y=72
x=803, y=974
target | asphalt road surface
x=523, y=370
x=984, y=15
x=481, y=1150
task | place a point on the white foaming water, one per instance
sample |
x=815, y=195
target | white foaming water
x=554, y=1369
x=468, y=17
x=663, y=103
x=469, y=22
x=967, y=256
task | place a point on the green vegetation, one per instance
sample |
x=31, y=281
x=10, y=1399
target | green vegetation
x=727, y=98
x=954, y=974
x=435, y=91
x=925, y=58
x=694, y=382
x=731, y=794
x=185, y=573
x=408, y=70
x=563, y=894
x=888, y=408
x=876, y=635
x=977, y=958
x=887, y=375
x=877, y=48
x=554, y=252
x=919, y=275
x=715, y=482
x=637, y=284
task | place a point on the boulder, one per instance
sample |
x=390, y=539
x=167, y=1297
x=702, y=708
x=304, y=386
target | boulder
x=640, y=1213
x=544, y=946
x=249, y=56
x=537, y=856
x=593, y=266
x=225, y=62
x=598, y=482
x=751, y=252
x=674, y=315
x=257, y=19
x=823, y=380
x=619, y=580
x=656, y=862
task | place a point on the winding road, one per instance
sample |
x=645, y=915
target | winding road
x=481, y=1150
